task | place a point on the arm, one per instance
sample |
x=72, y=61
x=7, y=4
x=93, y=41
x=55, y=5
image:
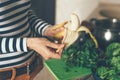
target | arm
x=8, y=45
x=38, y=25
x=41, y=45
x=12, y=44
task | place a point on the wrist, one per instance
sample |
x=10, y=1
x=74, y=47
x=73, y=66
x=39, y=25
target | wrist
x=46, y=30
x=29, y=43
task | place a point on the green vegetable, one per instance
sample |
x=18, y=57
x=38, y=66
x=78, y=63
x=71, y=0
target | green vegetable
x=101, y=71
x=106, y=64
x=113, y=49
x=115, y=62
x=85, y=55
x=111, y=71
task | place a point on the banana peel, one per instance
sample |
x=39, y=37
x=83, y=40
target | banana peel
x=60, y=34
x=83, y=28
x=71, y=31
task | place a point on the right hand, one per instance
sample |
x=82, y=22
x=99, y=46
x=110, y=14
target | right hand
x=43, y=47
x=56, y=31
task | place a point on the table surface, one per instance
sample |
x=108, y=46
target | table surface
x=61, y=71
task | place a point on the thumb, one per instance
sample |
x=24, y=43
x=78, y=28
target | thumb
x=59, y=25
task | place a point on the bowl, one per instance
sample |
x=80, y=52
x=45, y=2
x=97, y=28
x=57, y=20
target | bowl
x=110, y=11
x=106, y=31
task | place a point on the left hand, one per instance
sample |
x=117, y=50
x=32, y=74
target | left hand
x=55, y=29
x=45, y=48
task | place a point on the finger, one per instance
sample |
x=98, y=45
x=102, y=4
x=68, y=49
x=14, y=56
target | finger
x=58, y=30
x=55, y=45
x=55, y=56
x=52, y=54
x=59, y=25
x=44, y=52
x=60, y=51
x=62, y=24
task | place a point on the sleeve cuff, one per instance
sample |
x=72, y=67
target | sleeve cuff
x=45, y=29
x=25, y=45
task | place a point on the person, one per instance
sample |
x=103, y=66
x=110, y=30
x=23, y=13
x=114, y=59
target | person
x=19, y=43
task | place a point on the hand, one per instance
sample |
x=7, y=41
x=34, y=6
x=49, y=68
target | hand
x=53, y=30
x=45, y=48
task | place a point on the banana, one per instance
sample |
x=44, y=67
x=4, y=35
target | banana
x=70, y=32
x=60, y=34
x=74, y=22
x=72, y=29
x=83, y=28
x=70, y=38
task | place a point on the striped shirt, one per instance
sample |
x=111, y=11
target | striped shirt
x=17, y=22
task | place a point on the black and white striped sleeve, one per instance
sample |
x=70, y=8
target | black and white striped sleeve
x=37, y=24
x=8, y=45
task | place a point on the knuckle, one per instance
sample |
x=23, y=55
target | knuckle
x=46, y=58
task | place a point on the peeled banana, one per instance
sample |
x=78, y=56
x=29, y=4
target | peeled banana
x=74, y=22
x=72, y=29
